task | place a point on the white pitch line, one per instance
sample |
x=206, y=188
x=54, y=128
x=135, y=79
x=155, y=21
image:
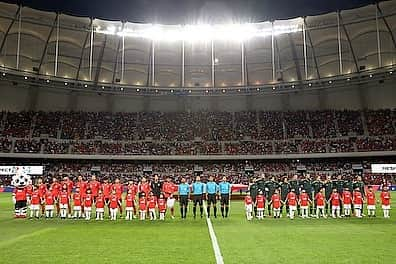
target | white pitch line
x=213, y=238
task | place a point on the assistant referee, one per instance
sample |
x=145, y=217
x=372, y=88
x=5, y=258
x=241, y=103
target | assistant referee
x=225, y=194
x=212, y=190
x=184, y=191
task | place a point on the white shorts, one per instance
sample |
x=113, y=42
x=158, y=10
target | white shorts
x=304, y=207
x=370, y=207
x=129, y=209
x=170, y=203
x=260, y=209
x=320, y=207
x=357, y=206
x=292, y=207
x=87, y=209
x=100, y=210
x=64, y=206
x=249, y=208
x=347, y=206
x=386, y=207
x=49, y=207
x=34, y=207
x=336, y=207
x=152, y=210
x=77, y=208
x=276, y=209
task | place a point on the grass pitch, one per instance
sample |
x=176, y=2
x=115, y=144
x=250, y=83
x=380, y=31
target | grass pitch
x=367, y=240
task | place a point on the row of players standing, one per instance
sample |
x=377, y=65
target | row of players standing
x=311, y=187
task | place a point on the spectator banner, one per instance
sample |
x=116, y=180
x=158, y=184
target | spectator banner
x=31, y=170
x=383, y=168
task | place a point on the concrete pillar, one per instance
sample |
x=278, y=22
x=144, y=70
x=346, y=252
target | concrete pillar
x=72, y=101
x=31, y=101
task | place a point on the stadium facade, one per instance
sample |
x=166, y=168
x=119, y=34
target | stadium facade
x=340, y=60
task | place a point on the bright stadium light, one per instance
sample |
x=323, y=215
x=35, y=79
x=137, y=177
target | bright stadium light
x=203, y=32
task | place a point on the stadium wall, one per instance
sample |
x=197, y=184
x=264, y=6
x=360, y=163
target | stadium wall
x=18, y=97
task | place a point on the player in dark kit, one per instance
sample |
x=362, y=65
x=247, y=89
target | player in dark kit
x=156, y=186
x=296, y=185
x=339, y=185
x=306, y=185
x=270, y=187
x=316, y=187
x=328, y=186
x=284, y=189
x=253, y=189
x=360, y=185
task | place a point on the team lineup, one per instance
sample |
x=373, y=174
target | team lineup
x=154, y=199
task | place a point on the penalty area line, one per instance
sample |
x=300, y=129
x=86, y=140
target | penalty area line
x=213, y=238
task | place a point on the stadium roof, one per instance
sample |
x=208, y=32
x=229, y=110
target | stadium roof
x=106, y=53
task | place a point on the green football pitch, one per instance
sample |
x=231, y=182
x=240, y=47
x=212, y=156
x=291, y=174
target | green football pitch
x=367, y=240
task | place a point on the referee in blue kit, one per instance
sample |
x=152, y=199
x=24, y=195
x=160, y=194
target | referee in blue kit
x=225, y=192
x=184, y=191
x=197, y=192
x=212, y=189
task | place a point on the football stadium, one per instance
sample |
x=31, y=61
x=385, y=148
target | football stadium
x=197, y=131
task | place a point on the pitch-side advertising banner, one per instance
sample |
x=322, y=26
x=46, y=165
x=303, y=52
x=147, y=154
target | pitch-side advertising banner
x=383, y=168
x=31, y=170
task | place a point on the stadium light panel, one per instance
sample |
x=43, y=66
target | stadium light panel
x=203, y=32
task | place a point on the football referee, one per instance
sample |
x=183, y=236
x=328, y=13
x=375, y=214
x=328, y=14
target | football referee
x=212, y=190
x=225, y=193
x=197, y=192
x=184, y=191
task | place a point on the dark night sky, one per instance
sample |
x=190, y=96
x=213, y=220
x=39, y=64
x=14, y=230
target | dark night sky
x=192, y=11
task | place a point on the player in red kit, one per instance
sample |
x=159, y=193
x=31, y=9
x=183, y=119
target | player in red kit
x=304, y=202
x=162, y=207
x=134, y=190
x=144, y=186
x=151, y=205
x=99, y=205
x=142, y=206
x=77, y=204
x=56, y=189
x=357, y=199
x=114, y=204
x=49, y=204
x=276, y=203
x=320, y=203
x=34, y=200
x=385, y=201
x=94, y=185
x=347, y=202
x=64, y=202
x=106, y=188
x=291, y=200
x=88, y=201
x=42, y=187
x=118, y=188
x=370, y=196
x=335, y=200
x=129, y=205
x=249, y=206
x=260, y=204
x=70, y=185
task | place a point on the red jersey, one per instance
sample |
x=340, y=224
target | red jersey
x=152, y=202
x=42, y=190
x=88, y=200
x=35, y=198
x=106, y=188
x=357, y=197
x=56, y=188
x=49, y=198
x=69, y=185
x=248, y=200
x=162, y=205
x=346, y=197
x=20, y=194
x=64, y=197
x=114, y=201
x=142, y=204
x=82, y=185
x=320, y=199
x=276, y=201
x=304, y=199
x=335, y=199
x=95, y=186
x=260, y=201
x=385, y=198
x=144, y=187
x=370, y=198
x=119, y=189
x=55, y=193
x=29, y=189
x=100, y=203
x=134, y=189
x=291, y=199
x=77, y=199
x=129, y=200
x=168, y=188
